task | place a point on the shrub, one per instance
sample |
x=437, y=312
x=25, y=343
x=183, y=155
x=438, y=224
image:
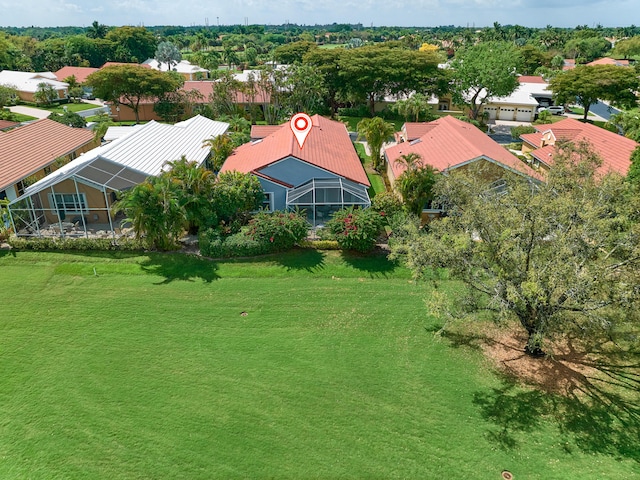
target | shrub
x=521, y=130
x=75, y=244
x=213, y=244
x=356, y=229
x=282, y=230
x=388, y=203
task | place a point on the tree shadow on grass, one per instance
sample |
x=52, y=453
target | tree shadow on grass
x=376, y=264
x=593, y=400
x=7, y=253
x=175, y=266
x=307, y=259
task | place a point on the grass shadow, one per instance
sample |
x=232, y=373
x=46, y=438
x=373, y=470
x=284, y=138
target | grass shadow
x=376, y=264
x=594, y=404
x=7, y=253
x=307, y=259
x=175, y=266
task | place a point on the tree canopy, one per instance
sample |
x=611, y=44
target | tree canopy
x=130, y=84
x=588, y=84
x=483, y=71
x=558, y=256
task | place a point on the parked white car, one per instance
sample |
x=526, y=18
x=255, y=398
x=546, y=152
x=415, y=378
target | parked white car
x=554, y=109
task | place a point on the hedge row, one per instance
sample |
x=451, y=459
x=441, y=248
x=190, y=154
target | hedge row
x=77, y=244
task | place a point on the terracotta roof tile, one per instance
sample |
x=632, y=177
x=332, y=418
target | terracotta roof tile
x=614, y=149
x=5, y=124
x=327, y=146
x=81, y=73
x=415, y=130
x=205, y=88
x=531, y=79
x=451, y=143
x=262, y=131
x=28, y=149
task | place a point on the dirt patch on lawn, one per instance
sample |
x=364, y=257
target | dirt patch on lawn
x=563, y=371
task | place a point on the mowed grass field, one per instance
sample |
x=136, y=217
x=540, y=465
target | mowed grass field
x=304, y=365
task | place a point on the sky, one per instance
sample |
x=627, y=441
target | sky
x=421, y=13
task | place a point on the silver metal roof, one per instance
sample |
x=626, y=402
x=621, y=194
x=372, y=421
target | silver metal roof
x=139, y=154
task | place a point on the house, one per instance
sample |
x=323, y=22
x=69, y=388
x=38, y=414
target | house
x=447, y=144
x=27, y=83
x=80, y=73
x=184, y=68
x=321, y=178
x=615, y=150
x=78, y=197
x=30, y=152
x=609, y=61
x=204, y=90
x=521, y=105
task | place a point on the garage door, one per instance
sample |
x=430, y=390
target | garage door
x=524, y=115
x=491, y=111
x=506, y=113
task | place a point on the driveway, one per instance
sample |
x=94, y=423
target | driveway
x=32, y=112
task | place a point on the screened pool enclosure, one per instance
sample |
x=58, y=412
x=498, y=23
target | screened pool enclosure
x=321, y=197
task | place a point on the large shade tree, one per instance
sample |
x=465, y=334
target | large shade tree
x=483, y=71
x=590, y=83
x=130, y=84
x=558, y=257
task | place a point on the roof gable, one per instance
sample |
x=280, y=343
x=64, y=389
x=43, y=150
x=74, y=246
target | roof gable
x=615, y=150
x=328, y=146
x=452, y=143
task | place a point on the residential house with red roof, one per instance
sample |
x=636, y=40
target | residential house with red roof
x=33, y=151
x=323, y=176
x=80, y=73
x=447, y=144
x=615, y=150
x=78, y=196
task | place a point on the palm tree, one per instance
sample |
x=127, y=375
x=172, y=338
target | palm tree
x=410, y=161
x=168, y=53
x=415, y=186
x=375, y=131
x=220, y=147
x=97, y=30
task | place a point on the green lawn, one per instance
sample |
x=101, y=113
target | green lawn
x=352, y=122
x=71, y=107
x=19, y=117
x=304, y=365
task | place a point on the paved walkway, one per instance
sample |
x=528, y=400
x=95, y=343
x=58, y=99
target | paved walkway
x=32, y=112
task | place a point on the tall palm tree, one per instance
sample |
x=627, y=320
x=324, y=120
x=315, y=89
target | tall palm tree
x=97, y=30
x=375, y=131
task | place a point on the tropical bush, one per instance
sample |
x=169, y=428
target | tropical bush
x=521, y=130
x=283, y=230
x=75, y=244
x=388, y=203
x=216, y=245
x=356, y=229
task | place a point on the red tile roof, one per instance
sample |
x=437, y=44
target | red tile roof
x=205, y=88
x=261, y=131
x=531, y=79
x=327, y=146
x=5, y=124
x=615, y=150
x=28, y=149
x=415, y=130
x=451, y=143
x=609, y=61
x=81, y=73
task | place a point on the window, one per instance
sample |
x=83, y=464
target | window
x=3, y=195
x=68, y=203
x=267, y=203
x=20, y=186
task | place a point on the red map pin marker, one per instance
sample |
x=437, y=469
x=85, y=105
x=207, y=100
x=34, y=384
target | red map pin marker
x=301, y=126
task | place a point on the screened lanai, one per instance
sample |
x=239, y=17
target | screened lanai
x=75, y=200
x=321, y=197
